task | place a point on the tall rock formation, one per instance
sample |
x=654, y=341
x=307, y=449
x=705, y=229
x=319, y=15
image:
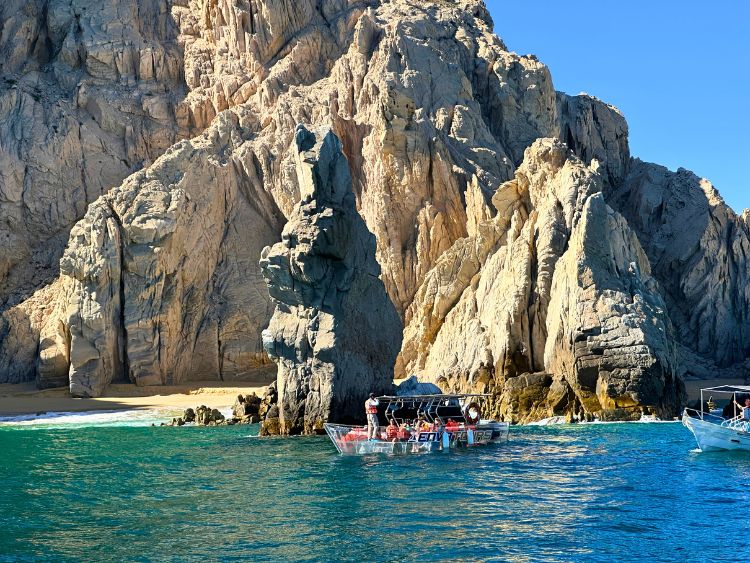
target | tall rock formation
x=160, y=280
x=334, y=333
x=609, y=337
x=555, y=283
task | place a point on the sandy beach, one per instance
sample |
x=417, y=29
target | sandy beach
x=24, y=398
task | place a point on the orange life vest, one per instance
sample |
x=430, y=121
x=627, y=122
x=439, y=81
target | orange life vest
x=370, y=408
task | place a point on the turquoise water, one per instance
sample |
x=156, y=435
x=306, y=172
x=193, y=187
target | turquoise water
x=567, y=493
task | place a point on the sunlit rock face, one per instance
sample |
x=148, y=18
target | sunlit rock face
x=147, y=156
x=160, y=283
x=554, y=283
x=90, y=92
x=334, y=332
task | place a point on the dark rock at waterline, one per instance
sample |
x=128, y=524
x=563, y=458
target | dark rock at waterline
x=202, y=415
x=271, y=426
x=273, y=412
x=271, y=423
x=619, y=414
x=269, y=399
x=248, y=405
x=205, y=416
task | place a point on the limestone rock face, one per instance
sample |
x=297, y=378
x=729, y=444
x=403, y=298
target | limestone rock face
x=161, y=278
x=609, y=335
x=556, y=283
x=334, y=333
x=90, y=92
x=421, y=157
x=34, y=339
x=699, y=250
x=593, y=129
x=502, y=276
x=438, y=108
x=92, y=275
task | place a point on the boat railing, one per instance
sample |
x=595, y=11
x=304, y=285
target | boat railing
x=737, y=423
x=707, y=416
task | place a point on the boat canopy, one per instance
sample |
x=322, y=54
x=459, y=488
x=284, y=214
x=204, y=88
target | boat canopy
x=436, y=396
x=729, y=389
x=431, y=408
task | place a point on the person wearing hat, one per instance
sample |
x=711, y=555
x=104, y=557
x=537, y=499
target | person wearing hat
x=371, y=408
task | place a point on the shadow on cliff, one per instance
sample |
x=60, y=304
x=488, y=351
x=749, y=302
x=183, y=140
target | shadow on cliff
x=80, y=113
x=86, y=124
x=698, y=249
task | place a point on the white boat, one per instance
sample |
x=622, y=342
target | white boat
x=425, y=423
x=715, y=432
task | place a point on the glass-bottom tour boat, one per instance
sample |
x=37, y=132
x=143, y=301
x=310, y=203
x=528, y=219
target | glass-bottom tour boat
x=423, y=423
x=717, y=429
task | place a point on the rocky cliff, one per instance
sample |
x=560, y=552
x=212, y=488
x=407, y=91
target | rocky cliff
x=90, y=92
x=481, y=227
x=334, y=332
x=159, y=282
x=556, y=283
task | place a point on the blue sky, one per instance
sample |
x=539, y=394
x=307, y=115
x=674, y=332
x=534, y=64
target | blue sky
x=678, y=70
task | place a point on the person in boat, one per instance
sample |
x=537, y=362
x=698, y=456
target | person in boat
x=421, y=425
x=745, y=409
x=404, y=433
x=391, y=433
x=451, y=425
x=371, y=409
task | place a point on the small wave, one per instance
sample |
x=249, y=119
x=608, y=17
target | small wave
x=645, y=419
x=135, y=417
x=557, y=420
x=130, y=417
x=551, y=421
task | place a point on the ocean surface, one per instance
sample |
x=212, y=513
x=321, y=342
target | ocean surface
x=112, y=488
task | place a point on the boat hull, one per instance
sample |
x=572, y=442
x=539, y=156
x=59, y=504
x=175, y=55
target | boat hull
x=714, y=437
x=352, y=440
